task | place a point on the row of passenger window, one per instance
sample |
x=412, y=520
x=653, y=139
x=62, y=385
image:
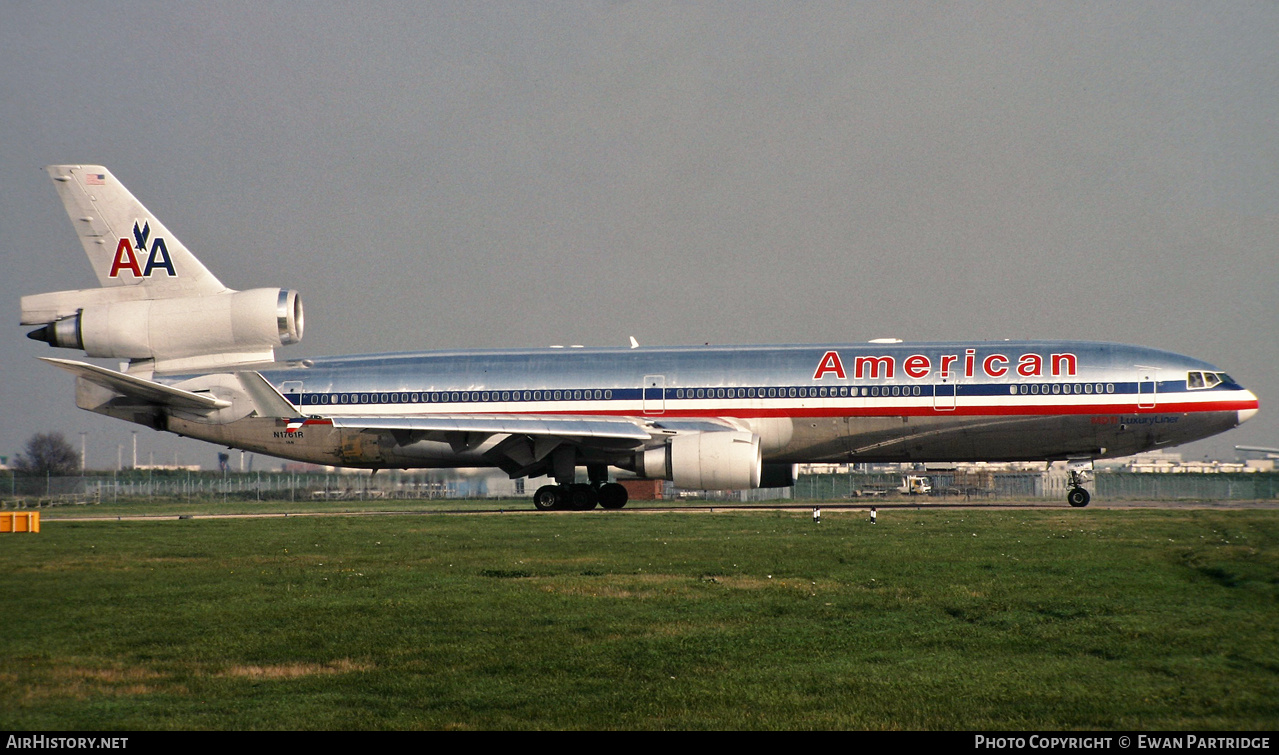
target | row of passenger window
x=814, y=392
x=842, y=391
x=1054, y=388
x=455, y=397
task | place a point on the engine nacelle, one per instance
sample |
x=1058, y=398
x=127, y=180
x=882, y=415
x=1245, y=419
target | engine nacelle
x=705, y=461
x=235, y=322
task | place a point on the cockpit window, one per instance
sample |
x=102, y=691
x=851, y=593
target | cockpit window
x=1200, y=380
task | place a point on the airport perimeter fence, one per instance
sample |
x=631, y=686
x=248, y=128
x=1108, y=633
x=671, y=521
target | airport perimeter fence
x=952, y=485
x=987, y=485
x=18, y=492
x=1133, y=486
x=35, y=492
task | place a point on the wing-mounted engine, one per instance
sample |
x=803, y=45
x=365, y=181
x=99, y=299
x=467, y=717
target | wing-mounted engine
x=726, y=460
x=196, y=332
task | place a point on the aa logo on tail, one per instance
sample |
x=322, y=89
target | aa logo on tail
x=157, y=256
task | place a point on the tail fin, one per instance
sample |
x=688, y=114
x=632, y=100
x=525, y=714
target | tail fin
x=158, y=306
x=127, y=245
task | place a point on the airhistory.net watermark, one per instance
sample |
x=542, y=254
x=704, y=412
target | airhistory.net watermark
x=42, y=742
x=1139, y=742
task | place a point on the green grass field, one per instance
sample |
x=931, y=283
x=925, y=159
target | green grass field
x=162, y=506
x=928, y=620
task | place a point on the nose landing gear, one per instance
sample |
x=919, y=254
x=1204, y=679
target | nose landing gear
x=1077, y=496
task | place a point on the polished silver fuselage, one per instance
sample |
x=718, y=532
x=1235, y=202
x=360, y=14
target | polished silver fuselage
x=901, y=402
x=200, y=364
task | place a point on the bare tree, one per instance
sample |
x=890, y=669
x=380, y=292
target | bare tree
x=47, y=454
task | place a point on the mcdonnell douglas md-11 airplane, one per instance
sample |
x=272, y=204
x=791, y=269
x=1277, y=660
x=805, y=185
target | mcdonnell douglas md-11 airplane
x=201, y=363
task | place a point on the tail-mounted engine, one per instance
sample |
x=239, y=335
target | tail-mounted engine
x=175, y=333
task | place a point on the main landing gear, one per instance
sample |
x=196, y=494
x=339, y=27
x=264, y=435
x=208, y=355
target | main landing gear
x=1077, y=496
x=579, y=497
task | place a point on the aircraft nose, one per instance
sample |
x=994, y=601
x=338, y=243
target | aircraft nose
x=1247, y=414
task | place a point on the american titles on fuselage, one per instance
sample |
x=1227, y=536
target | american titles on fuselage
x=920, y=366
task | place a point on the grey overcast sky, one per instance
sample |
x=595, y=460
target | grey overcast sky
x=465, y=174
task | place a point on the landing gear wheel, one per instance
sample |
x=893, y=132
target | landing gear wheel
x=547, y=498
x=612, y=496
x=581, y=497
x=1078, y=497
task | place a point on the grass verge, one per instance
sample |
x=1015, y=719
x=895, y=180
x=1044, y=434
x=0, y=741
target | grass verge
x=927, y=620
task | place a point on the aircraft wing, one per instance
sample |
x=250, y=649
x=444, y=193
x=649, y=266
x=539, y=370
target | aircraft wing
x=270, y=403
x=142, y=391
x=616, y=428
x=519, y=444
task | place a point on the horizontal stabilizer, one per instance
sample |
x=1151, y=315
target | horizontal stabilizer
x=137, y=388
